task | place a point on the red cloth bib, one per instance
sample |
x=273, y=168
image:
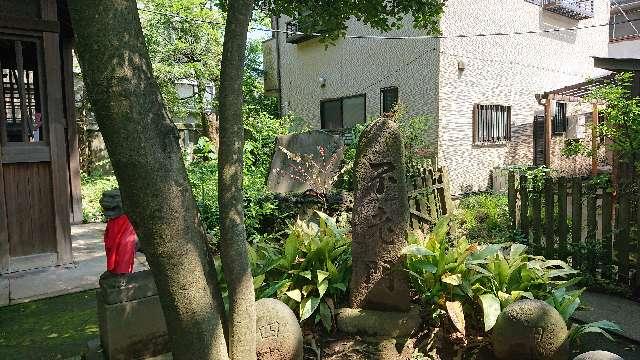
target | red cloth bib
x=120, y=245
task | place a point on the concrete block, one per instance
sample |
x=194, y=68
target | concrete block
x=132, y=324
x=117, y=289
x=4, y=291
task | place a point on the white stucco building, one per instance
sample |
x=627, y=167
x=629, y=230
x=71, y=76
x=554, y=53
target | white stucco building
x=625, y=35
x=481, y=90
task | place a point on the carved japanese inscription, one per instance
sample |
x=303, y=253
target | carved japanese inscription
x=380, y=220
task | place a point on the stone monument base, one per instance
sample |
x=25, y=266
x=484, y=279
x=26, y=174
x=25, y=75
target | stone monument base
x=132, y=324
x=378, y=323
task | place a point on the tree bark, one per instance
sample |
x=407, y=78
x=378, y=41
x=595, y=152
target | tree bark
x=142, y=143
x=235, y=259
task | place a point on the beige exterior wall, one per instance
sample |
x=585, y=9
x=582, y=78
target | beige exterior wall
x=506, y=70
x=625, y=49
x=358, y=66
x=501, y=70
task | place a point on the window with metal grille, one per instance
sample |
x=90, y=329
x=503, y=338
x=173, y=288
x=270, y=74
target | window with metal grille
x=343, y=113
x=21, y=117
x=388, y=99
x=491, y=123
x=560, y=118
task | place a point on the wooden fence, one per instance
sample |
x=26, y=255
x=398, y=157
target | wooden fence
x=429, y=196
x=579, y=221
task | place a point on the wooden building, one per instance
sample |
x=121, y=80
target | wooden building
x=39, y=167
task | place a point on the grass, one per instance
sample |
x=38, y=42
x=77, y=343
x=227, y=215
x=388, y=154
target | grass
x=54, y=328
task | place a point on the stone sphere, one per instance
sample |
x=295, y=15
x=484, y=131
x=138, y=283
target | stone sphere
x=279, y=336
x=598, y=355
x=530, y=329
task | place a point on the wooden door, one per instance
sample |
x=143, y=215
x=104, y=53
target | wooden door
x=34, y=220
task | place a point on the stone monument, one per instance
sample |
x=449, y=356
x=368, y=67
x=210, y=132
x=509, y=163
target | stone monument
x=530, y=329
x=380, y=220
x=305, y=161
x=279, y=336
x=598, y=355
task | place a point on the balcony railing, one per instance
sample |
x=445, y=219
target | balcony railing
x=574, y=9
x=295, y=35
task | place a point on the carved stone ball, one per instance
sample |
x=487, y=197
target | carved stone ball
x=598, y=355
x=279, y=336
x=530, y=329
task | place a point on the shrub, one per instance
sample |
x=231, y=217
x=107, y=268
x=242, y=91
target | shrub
x=311, y=273
x=92, y=188
x=484, y=218
x=492, y=276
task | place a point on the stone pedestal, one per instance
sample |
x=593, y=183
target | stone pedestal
x=132, y=325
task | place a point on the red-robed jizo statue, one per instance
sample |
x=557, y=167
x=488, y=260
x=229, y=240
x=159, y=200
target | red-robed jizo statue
x=120, y=239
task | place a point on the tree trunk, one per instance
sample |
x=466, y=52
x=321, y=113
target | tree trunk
x=142, y=143
x=235, y=259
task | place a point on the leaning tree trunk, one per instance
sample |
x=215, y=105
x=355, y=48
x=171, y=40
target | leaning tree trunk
x=143, y=146
x=235, y=259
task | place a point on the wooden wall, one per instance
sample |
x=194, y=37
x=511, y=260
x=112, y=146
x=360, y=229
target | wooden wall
x=28, y=192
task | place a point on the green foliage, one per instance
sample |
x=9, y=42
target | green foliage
x=184, y=46
x=418, y=135
x=491, y=276
x=329, y=18
x=417, y=138
x=311, y=273
x=484, y=218
x=536, y=176
x=602, y=327
x=92, y=187
x=575, y=148
x=345, y=181
x=261, y=130
x=621, y=117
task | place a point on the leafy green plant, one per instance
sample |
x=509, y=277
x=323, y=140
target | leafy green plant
x=491, y=276
x=92, y=188
x=312, y=273
x=484, y=218
x=536, y=176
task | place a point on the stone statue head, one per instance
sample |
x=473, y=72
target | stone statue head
x=111, y=203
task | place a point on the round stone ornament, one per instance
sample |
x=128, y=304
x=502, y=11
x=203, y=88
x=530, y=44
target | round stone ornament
x=279, y=336
x=530, y=329
x=598, y=355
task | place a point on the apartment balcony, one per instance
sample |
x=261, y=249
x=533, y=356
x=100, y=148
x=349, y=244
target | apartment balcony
x=574, y=9
x=294, y=34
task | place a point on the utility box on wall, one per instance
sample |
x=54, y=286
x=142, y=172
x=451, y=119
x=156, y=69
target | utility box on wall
x=576, y=126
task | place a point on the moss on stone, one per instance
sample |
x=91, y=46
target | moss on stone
x=530, y=329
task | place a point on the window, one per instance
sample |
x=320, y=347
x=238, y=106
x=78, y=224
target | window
x=343, y=113
x=560, y=118
x=388, y=99
x=21, y=113
x=491, y=123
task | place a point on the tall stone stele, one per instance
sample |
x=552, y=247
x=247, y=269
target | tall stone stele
x=380, y=220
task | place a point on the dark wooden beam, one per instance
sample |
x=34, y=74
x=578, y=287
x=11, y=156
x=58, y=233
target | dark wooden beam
x=613, y=64
x=548, y=118
x=72, y=133
x=20, y=23
x=57, y=141
x=594, y=140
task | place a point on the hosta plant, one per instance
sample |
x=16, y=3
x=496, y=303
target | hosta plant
x=311, y=274
x=446, y=272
